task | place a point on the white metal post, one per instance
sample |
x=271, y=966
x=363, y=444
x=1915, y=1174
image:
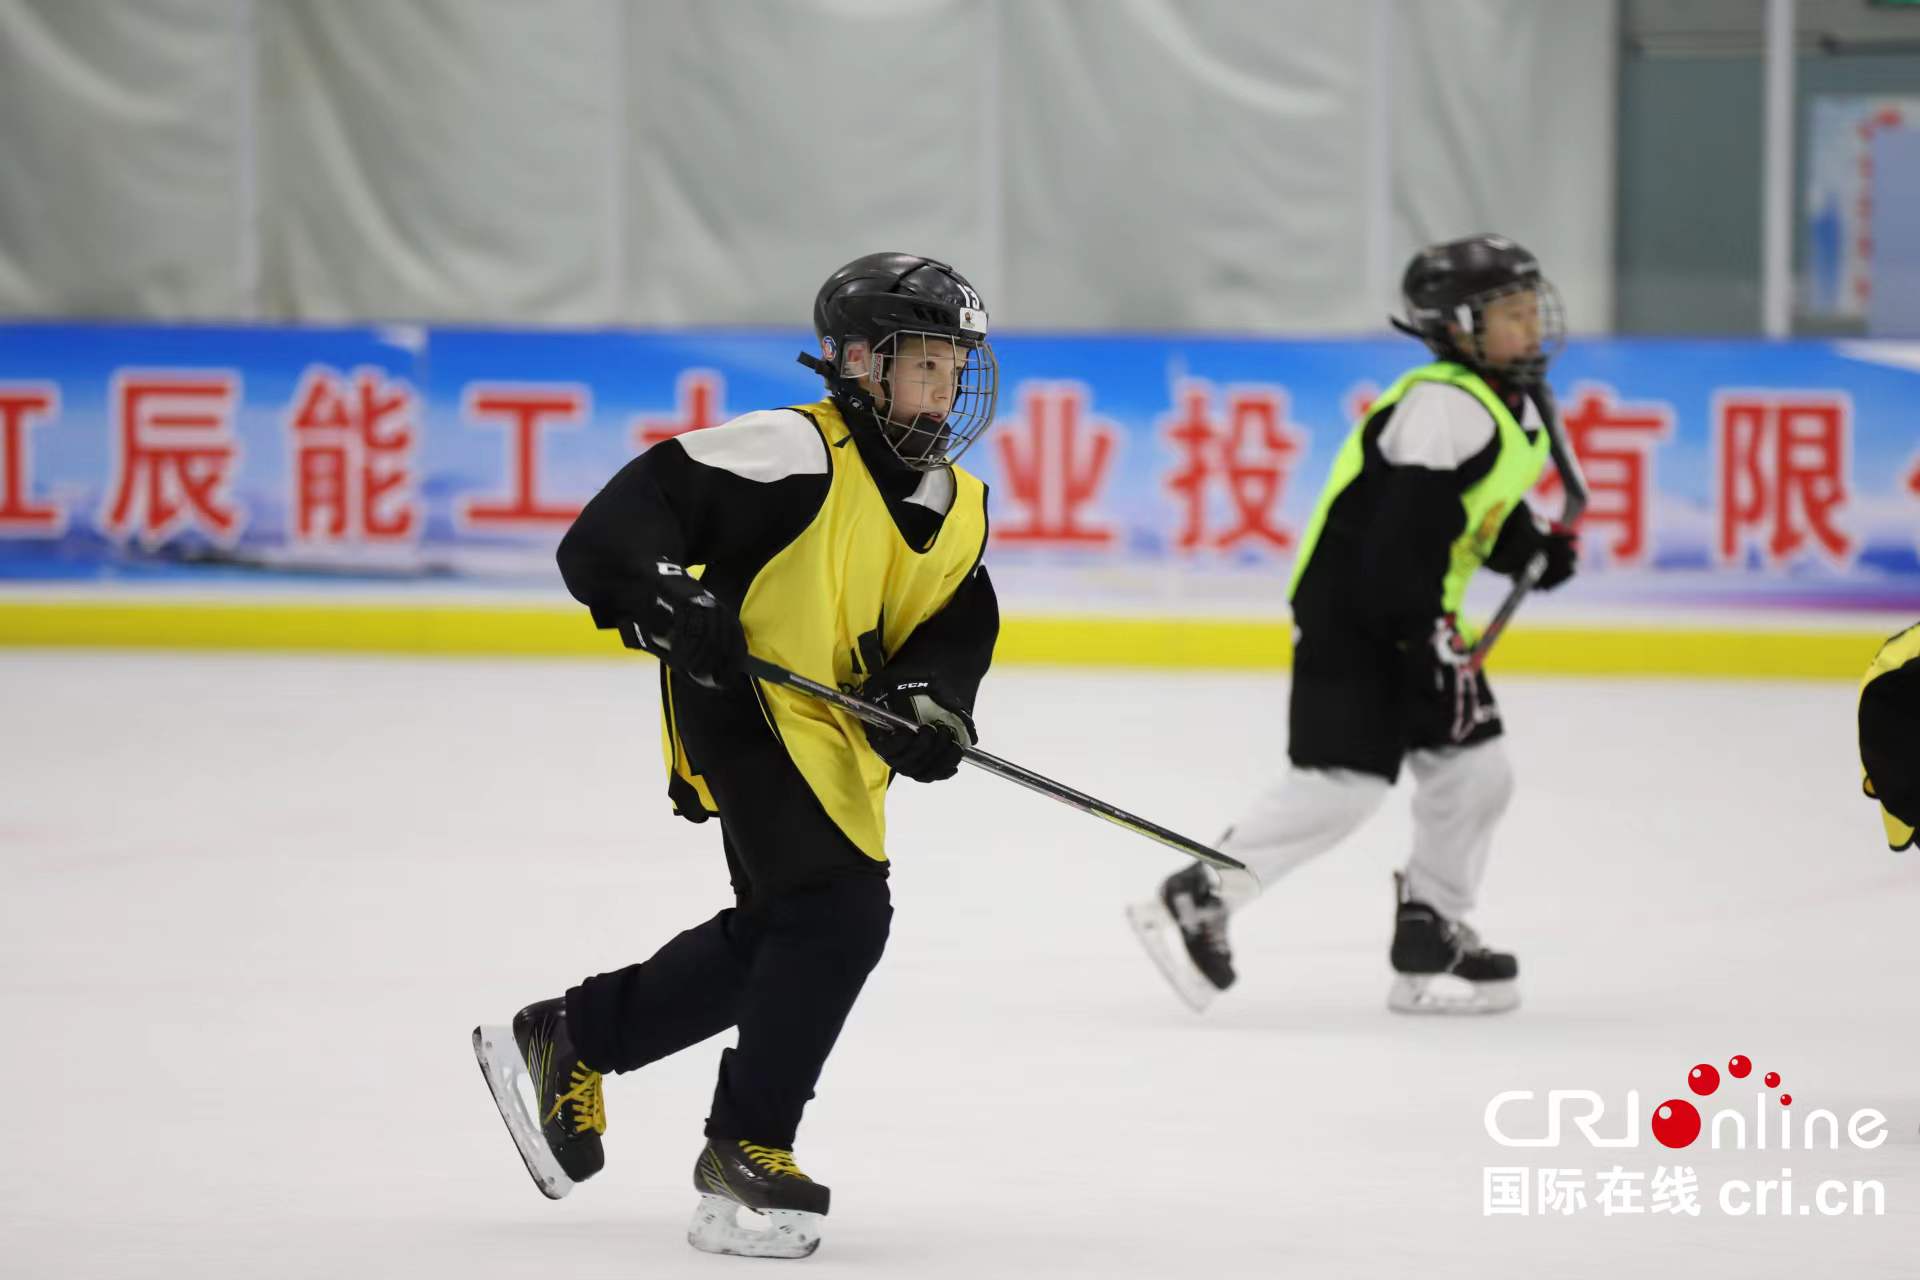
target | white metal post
x=1776, y=179
x=1379, y=176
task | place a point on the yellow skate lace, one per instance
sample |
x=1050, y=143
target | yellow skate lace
x=774, y=1160
x=588, y=1099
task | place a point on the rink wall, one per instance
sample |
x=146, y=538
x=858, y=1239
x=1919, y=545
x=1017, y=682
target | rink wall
x=1756, y=505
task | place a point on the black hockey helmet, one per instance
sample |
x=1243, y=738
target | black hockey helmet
x=1446, y=290
x=890, y=325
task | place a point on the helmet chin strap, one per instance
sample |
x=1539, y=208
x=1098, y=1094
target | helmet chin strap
x=1442, y=348
x=842, y=389
x=856, y=404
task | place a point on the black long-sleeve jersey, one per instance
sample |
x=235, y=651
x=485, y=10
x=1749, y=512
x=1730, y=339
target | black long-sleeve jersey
x=1381, y=562
x=730, y=499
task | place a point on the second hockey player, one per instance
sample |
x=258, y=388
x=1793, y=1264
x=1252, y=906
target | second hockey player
x=1427, y=489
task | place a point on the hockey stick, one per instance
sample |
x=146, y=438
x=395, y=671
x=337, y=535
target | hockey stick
x=883, y=718
x=1575, y=485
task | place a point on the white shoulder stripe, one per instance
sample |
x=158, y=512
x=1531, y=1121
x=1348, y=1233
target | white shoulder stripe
x=1436, y=425
x=936, y=491
x=1530, y=416
x=766, y=445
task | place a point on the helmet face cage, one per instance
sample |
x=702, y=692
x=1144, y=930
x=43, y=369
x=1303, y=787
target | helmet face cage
x=937, y=392
x=1471, y=317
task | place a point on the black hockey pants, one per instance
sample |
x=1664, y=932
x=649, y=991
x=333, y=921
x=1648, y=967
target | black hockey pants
x=784, y=964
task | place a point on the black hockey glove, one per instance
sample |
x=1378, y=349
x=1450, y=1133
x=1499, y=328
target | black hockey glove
x=1451, y=702
x=1522, y=537
x=689, y=628
x=932, y=752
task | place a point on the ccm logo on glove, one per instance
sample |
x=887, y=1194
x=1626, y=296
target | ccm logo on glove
x=931, y=752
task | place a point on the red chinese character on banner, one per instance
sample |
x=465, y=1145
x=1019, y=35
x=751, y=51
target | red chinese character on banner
x=352, y=445
x=1614, y=443
x=1056, y=459
x=698, y=397
x=1783, y=472
x=174, y=450
x=21, y=404
x=1248, y=453
x=526, y=409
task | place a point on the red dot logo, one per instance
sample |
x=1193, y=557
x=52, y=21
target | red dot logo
x=1703, y=1079
x=1675, y=1123
x=1786, y=1100
x=1738, y=1066
x=1773, y=1079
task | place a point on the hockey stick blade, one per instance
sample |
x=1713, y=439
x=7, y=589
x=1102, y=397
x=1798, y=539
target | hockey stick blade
x=1573, y=484
x=880, y=717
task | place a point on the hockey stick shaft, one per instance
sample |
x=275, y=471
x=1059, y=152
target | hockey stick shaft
x=880, y=717
x=1574, y=484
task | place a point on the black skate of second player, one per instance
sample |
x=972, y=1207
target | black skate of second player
x=839, y=541
x=1426, y=490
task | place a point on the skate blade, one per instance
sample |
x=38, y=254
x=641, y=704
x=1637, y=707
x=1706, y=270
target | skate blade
x=789, y=1233
x=1443, y=993
x=505, y=1068
x=1159, y=935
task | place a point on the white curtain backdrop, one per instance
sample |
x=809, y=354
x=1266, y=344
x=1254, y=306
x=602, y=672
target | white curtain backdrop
x=1504, y=120
x=1184, y=164
x=1187, y=165
x=122, y=183
x=438, y=159
x=773, y=140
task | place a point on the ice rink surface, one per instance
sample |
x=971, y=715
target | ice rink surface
x=251, y=907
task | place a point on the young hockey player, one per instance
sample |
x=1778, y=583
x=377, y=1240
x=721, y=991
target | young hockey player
x=1890, y=735
x=1427, y=488
x=838, y=540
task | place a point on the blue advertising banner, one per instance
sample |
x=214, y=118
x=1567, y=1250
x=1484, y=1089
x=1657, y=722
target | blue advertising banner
x=1132, y=476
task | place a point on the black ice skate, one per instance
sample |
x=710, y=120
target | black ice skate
x=731, y=1175
x=1184, y=929
x=552, y=1102
x=1441, y=965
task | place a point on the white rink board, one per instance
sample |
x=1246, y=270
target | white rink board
x=253, y=905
